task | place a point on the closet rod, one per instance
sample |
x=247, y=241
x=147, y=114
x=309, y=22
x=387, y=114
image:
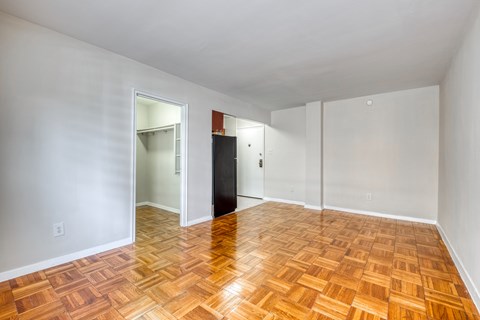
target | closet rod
x=169, y=127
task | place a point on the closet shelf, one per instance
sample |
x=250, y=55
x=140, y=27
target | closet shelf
x=155, y=129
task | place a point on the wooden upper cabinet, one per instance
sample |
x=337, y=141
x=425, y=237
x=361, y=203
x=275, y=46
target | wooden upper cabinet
x=217, y=121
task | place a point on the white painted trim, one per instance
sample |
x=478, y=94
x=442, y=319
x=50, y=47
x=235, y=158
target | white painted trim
x=472, y=289
x=300, y=203
x=308, y=206
x=381, y=215
x=6, y=275
x=140, y=204
x=159, y=206
x=199, y=220
x=133, y=194
x=184, y=167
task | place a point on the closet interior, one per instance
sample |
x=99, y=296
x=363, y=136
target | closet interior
x=158, y=154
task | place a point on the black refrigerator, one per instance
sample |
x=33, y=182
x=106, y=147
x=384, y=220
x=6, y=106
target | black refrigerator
x=224, y=174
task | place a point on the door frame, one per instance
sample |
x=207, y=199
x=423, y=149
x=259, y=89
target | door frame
x=183, y=156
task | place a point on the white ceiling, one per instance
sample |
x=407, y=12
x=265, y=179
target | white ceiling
x=272, y=53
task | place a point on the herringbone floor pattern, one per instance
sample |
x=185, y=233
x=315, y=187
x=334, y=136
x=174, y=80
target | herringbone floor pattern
x=273, y=261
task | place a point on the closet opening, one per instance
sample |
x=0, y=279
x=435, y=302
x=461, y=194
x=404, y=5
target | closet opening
x=159, y=165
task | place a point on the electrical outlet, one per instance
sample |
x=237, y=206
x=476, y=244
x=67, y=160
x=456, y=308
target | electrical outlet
x=58, y=229
x=369, y=196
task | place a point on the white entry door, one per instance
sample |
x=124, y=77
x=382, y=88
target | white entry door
x=250, y=161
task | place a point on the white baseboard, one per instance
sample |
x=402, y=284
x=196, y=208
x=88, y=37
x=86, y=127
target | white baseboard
x=308, y=206
x=140, y=204
x=159, y=206
x=300, y=203
x=199, y=220
x=7, y=275
x=381, y=215
x=472, y=289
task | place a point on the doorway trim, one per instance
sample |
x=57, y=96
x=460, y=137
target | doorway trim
x=183, y=156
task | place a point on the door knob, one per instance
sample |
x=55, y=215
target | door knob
x=260, y=163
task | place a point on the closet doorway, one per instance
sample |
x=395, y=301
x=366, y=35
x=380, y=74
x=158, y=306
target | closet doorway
x=159, y=164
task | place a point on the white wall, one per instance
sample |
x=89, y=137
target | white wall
x=459, y=185
x=163, y=184
x=156, y=178
x=230, y=125
x=142, y=191
x=243, y=123
x=389, y=149
x=313, y=156
x=157, y=114
x=142, y=114
x=66, y=122
x=285, y=155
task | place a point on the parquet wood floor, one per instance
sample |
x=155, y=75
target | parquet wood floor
x=273, y=261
